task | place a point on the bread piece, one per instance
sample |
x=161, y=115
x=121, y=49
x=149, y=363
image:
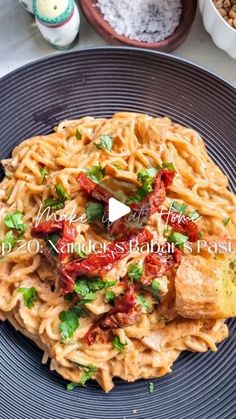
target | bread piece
x=206, y=287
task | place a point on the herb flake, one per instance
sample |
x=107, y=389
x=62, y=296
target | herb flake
x=117, y=344
x=14, y=221
x=96, y=173
x=106, y=142
x=29, y=296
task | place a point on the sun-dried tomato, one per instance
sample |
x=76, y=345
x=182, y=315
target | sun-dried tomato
x=124, y=314
x=182, y=224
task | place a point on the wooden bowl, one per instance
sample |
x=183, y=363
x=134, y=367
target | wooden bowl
x=97, y=21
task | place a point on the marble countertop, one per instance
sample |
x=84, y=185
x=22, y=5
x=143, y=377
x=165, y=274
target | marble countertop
x=21, y=43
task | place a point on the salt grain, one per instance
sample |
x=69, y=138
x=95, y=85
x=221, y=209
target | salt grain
x=143, y=20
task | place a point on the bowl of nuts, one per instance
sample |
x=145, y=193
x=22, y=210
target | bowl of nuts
x=219, y=19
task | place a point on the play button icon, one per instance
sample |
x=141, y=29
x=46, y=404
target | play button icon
x=117, y=210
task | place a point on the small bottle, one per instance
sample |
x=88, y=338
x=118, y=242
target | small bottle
x=58, y=21
x=27, y=4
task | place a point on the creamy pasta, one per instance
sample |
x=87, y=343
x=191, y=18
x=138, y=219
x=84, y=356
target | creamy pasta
x=148, y=347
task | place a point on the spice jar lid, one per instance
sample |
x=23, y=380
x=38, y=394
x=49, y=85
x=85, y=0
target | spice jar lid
x=53, y=11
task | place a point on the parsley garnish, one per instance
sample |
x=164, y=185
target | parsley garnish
x=135, y=271
x=78, y=135
x=162, y=319
x=61, y=192
x=168, y=165
x=87, y=288
x=54, y=204
x=88, y=373
x=194, y=215
x=96, y=173
x=29, y=296
x=57, y=204
x=15, y=221
x=70, y=296
x=9, y=240
x=146, y=178
x=145, y=305
x=94, y=211
x=118, y=344
x=155, y=288
x=226, y=221
x=109, y=296
x=176, y=206
x=44, y=173
x=71, y=386
x=166, y=231
x=150, y=387
x=106, y=142
x=69, y=322
x=80, y=253
x=138, y=197
x=177, y=238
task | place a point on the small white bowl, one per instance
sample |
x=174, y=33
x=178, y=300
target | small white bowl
x=223, y=35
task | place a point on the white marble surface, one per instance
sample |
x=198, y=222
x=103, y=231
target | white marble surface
x=21, y=43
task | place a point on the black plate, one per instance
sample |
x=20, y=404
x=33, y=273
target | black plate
x=100, y=82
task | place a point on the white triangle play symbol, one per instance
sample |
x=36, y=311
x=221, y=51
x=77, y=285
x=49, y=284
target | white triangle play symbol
x=116, y=209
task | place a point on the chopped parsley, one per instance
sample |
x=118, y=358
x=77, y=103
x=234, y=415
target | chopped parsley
x=9, y=240
x=194, y=215
x=89, y=371
x=166, y=231
x=96, y=173
x=138, y=197
x=54, y=204
x=80, y=253
x=226, y=221
x=109, y=296
x=14, y=221
x=162, y=319
x=146, y=306
x=118, y=344
x=93, y=211
x=29, y=296
x=106, y=142
x=168, y=165
x=200, y=234
x=155, y=288
x=44, y=173
x=87, y=288
x=69, y=322
x=176, y=206
x=61, y=192
x=57, y=204
x=71, y=386
x=70, y=296
x=78, y=135
x=146, y=177
x=135, y=271
x=177, y=238
x=150, y=387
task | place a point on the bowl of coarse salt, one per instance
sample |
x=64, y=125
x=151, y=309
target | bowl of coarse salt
x=157, y=24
